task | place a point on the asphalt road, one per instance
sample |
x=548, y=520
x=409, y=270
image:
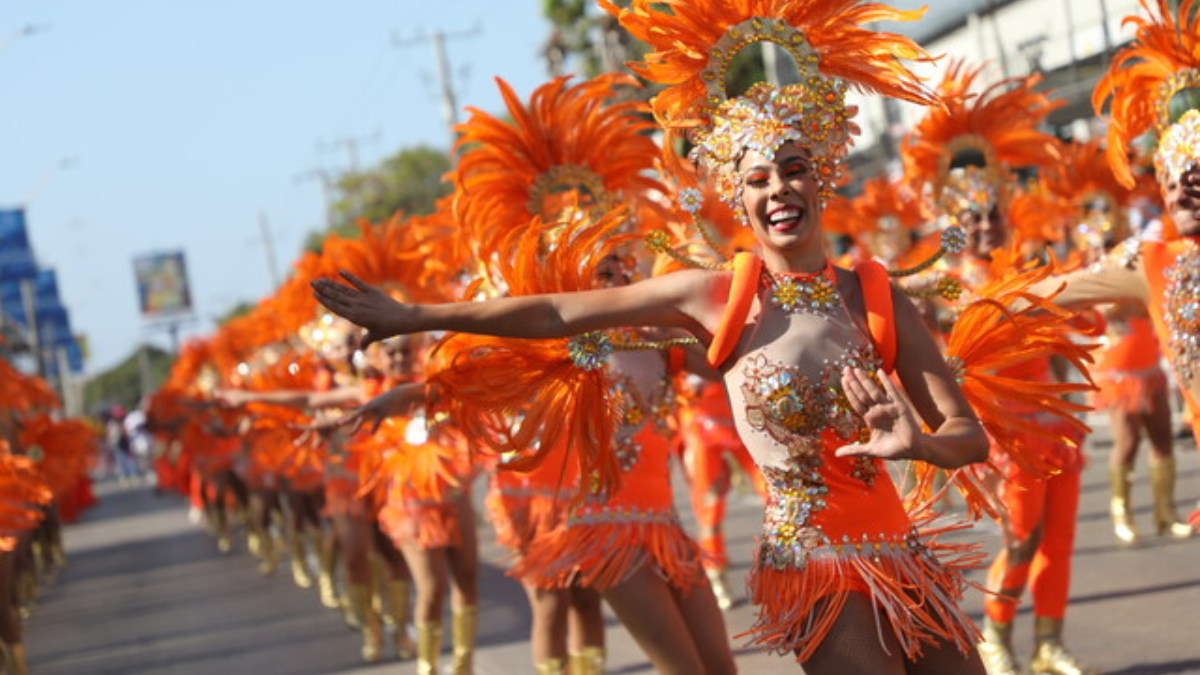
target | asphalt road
x=145, y=592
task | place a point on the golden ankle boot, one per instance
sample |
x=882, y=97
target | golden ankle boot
x=1162, y=486
x=464, y=629
x=364, y=614
x=268, y=554
x=398, y=609
x=27, y=593
x=590, y=661
x=300, y=574
x=1121, y=481
x=429, y=645
x=1050, y=657
x=996, y=649
x=716, y=577
x=16, y=659
x=550, y=667
x=328, y=561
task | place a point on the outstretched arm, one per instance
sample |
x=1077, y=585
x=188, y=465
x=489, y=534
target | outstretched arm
x=296, y=398
x=680, y=300
x=929, y=390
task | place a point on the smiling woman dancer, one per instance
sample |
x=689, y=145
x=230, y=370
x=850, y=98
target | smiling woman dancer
x=843, y=577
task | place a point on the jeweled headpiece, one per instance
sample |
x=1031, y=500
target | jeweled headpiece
x=695, y=42
x=1153, y=85
x=964, y=152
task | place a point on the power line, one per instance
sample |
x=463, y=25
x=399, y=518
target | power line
x=442, y=61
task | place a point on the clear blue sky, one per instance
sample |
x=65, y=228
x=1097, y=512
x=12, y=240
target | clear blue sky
x=187, y=118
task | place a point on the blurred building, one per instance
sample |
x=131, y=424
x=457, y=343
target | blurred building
x=1068, y=41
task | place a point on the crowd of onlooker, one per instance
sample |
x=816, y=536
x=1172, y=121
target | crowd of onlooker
x=128, y=446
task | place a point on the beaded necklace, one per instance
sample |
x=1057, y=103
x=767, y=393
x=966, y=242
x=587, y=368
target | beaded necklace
x=800, y=292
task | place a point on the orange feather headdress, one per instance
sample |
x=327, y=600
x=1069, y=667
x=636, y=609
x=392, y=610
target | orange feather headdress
x=1098, y=200
x=570, y=144
x=1153, y=85
x=695, y=42
x=992, y=133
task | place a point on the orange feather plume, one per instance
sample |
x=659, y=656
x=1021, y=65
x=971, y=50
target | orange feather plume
x=1136, y=89
x=1004, y=118
x=569, y=142
x=683, y=33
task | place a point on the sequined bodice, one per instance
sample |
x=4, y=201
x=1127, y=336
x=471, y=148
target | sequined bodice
x=787, y=380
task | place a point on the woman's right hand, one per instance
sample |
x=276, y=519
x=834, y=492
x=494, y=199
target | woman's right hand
x=365, y=306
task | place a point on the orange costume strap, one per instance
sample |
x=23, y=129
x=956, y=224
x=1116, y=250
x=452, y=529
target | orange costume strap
x=877, y=295
x=747, y=268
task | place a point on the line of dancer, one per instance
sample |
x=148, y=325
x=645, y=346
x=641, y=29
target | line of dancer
x=589, y=303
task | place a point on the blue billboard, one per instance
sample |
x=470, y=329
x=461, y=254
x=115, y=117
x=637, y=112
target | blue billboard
x=16, y=255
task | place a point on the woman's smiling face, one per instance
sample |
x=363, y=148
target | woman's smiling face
x=779, y=195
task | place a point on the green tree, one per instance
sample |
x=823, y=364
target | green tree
x=410, y=181
x=122, y=384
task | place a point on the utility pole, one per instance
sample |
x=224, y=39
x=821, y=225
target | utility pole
x=351, y=143
x=326, y=190
x=438, y=40
x=269, y=247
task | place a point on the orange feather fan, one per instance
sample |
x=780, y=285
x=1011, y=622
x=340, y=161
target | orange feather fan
x=1138, y=85
x=528, y=396
x=989, y=337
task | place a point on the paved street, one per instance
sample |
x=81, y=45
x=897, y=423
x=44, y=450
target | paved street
x=145, y=592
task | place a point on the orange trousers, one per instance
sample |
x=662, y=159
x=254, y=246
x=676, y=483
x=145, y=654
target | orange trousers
x=1039, y=538
x=709, y=477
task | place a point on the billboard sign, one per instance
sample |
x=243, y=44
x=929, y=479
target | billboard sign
x=16, y=255
x=162, y=284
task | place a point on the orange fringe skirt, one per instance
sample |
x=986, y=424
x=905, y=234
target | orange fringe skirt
x=1128, y=391
x=603, y=541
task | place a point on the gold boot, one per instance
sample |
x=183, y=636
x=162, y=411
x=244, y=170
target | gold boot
x=550, y=667
x=429, y=645
x=466, y=625
x=398, y=609
x=996, y=649
x=16, y=659
x=327, y=557
x=590, y=661
x=27, y=593
x=268, y=554
x=1162, y=486
x=364, y=614
x=1121, y=481
x=716, y=577
x=300, y=574
x=1050, y=657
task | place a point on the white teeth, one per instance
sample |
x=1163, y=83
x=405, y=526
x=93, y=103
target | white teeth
x=785, y=214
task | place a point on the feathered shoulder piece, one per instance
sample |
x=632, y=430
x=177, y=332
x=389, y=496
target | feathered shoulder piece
x=991, y=337
x=527, y=396
x=1152, y=85
x=963, y=152
x=570, y=143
